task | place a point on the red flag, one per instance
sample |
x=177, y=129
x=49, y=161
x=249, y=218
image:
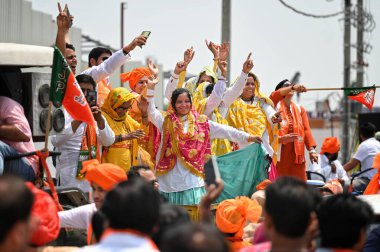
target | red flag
x=365, y=95
x=64, y=90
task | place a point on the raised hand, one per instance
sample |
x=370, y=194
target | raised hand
x=223, y=68
x=248, y=64
x=313, y=157
x=299, y=88
x=153, y=67
x=214, y=48
x=180, y=67
x=142, y=104
x=224, y=51
x=152, y=82
x=64, y=19
x=188, y=55
x=138, y=41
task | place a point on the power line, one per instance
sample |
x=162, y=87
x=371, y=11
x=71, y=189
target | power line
x=311, y=15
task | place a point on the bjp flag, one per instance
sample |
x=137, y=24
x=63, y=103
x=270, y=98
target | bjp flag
x=364, y=95
x=64, y=90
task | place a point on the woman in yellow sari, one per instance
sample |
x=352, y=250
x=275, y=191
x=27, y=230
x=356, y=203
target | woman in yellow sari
x=125, y=152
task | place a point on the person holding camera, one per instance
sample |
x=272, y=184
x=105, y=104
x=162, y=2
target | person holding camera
x=80, y=141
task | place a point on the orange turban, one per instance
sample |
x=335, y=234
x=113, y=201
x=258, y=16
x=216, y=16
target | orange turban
x=45, y=209
x=232, y=214
x=104, y=175
x=374, y=186
x=135, y=75
x=330, y=145
x=263, y=184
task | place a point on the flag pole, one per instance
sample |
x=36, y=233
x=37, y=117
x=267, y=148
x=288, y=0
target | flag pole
x=353, y=88
x=48, y=126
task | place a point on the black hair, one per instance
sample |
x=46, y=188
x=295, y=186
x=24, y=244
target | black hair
x=341, y=219
x=96, y=52
x=70, y=46
x=281, y=84
x=132, y=204
x=16, y=202
x=178, y=92
x=194, y=238
x=209, y=88
x=85, y=78
x=289, y=202
x=367, y=130
x=170, y=216
x=134, y=171
x=98, y=224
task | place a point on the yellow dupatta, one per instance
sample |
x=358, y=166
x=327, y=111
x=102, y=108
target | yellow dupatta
x=218, y=146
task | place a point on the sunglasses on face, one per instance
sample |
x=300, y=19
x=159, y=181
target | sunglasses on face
x=105, y=58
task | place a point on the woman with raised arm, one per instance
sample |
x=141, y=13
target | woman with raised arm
x=185, y=145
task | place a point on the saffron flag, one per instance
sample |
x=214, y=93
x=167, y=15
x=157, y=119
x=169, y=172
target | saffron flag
x=365, y=95
x=64, y=90
x=242, y=170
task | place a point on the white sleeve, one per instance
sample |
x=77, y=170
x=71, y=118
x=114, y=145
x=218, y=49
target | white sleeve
x=232, y=93
x=342, y=174
x=171, y=86
x=227, y=132
x=109, y=66
x=269, y=112
x=78, y=217
x=361, y=153
x=106, y=135
x=154, y=115
x=59, y=140
x=215, y=97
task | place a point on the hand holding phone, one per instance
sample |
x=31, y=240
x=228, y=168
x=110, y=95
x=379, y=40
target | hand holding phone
x=145, y=34
x=92, y=98
x=211, y=171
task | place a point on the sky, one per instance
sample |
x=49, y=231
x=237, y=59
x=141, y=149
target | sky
x=282, y=42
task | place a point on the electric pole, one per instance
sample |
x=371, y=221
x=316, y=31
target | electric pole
x=359, y=51
x=122, y=8
x=346, y=79
x=226, y=31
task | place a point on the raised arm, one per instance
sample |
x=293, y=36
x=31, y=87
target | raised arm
x=116, y=60
x=154, y=114
x=64, y=22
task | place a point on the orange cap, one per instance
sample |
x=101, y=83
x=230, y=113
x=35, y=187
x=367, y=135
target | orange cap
x=135, y=75
x=45, y=209
x=232, y=214
x=334, y=186
x=330, y=145
x=104, y=175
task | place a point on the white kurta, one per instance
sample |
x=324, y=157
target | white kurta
x=69, y=144
x=79, y=217
x=323, y=167
x=179, y=178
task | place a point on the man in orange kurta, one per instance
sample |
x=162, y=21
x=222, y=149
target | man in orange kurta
x=295, y=134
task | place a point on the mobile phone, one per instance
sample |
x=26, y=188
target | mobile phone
x=211, y=171
x=92, y=98
x=69, y=15
x=145, y=33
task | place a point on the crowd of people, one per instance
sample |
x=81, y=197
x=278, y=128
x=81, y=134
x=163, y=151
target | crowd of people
x=139, y=166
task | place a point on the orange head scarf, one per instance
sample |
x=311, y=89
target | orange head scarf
x=374, y=185
x=45, y=209
x=232, y=214
x=330, y=145
x=104, y=175
x=135, y=75
x=114, y=100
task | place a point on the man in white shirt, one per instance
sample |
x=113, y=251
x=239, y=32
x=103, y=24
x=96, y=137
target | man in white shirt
x=132, y=211
x=71, y=142
x=329, y=165
x=102, y=177
x=364, y=156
